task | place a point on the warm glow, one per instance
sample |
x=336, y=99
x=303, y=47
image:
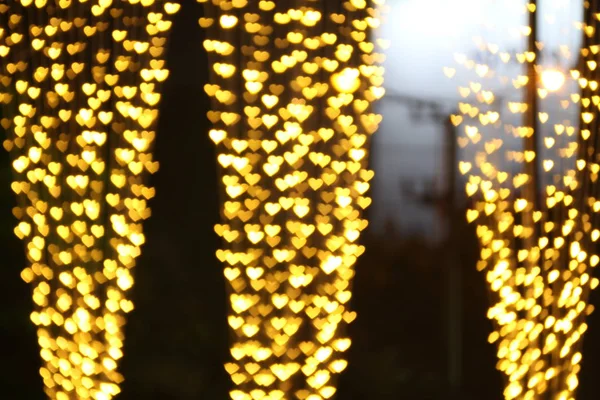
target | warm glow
x=292, y=119
x=80, y=95
x=535, y=253
x=553, y=79
x=346, y=81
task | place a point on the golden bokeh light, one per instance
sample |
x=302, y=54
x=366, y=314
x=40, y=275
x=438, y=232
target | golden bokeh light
x=552, y=79
x=292, y=90
x=531, y=175
x=80, y=86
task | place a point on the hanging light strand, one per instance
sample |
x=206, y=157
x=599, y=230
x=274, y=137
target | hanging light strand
x=535, y=253
x=81, y=85
x=291, y=87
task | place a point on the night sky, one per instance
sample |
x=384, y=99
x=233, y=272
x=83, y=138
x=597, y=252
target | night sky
x=176, y=339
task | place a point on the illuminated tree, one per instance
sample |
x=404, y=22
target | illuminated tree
x=533, y=181
x=292, y=88
x=80, y=87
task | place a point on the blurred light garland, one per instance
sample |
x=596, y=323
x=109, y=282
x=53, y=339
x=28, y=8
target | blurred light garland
x=535, y=202
x=80, y=87
x=292, y=87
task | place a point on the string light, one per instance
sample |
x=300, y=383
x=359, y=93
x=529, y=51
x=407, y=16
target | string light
x=292, y=88
x=533, y=185
x=80, y=85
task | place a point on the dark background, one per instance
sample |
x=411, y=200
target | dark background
x=176, y=339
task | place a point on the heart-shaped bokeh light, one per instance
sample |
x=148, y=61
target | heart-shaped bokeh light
x=531, y=174
x=80, y=86
x=292, y=89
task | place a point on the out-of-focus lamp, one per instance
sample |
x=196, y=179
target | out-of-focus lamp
x=553, y=80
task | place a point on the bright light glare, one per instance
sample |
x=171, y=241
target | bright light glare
x=553, y=80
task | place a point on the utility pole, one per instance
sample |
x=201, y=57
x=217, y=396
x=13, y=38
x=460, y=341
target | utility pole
x=452, y=267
